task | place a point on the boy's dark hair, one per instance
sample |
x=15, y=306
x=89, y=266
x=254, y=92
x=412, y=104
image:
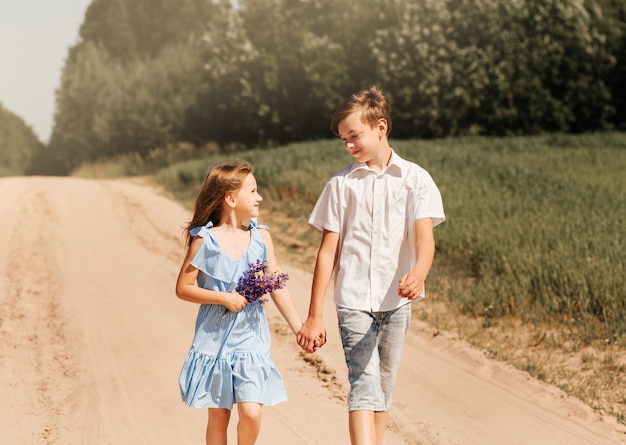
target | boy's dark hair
x=372, y=104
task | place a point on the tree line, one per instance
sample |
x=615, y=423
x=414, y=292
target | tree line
x=156, y=73
x=18, y=144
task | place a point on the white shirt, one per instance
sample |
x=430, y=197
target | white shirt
x=374, y=212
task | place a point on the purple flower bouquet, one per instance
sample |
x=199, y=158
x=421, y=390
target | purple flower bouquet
x=256, y=282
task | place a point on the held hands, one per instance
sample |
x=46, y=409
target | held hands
x=312, y=335
x=410, y=286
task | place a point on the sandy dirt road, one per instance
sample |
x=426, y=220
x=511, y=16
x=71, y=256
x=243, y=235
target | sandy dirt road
x=93, y=338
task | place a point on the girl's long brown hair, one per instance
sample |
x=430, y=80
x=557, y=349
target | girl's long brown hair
x=221, y=179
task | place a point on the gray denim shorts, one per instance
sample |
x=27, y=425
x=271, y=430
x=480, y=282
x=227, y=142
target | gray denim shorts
x=372, y=343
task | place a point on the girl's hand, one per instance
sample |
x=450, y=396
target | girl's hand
x=234, y=301
x=319, y=341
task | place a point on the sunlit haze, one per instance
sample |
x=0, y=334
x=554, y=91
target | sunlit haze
x=35, y=36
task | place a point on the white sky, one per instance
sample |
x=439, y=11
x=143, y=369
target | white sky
x=35, y=36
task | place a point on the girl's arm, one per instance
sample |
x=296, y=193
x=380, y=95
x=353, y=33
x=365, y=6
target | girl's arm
x=187, y=288
x=281, y=297
x=313, y=327
x=412, y=284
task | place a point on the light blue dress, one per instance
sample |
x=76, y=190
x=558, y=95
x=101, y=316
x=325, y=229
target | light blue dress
x=230, y=359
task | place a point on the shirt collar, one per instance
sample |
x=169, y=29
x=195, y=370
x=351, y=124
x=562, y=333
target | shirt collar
x=395, y=161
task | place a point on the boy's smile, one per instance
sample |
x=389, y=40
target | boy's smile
x=365, y=143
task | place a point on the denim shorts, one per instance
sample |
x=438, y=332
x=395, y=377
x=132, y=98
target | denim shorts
x=372, y=343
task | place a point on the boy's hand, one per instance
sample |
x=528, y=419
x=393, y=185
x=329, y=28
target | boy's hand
x=312, y=335
x=410, y=286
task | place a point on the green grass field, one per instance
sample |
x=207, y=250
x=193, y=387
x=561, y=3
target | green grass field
x=535, y=225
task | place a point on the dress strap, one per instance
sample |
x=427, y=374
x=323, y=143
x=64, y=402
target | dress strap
x=203, y=230
x=255, y=225
x=200, y=230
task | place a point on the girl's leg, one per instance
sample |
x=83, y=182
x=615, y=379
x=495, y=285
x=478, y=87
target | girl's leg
x=249, y=425
x=217, y=426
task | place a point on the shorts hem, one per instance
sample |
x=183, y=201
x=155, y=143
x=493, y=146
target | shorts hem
x=376, y=409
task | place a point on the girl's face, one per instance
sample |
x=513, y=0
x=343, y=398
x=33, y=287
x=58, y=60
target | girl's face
x=247, y=198
x=359, y=139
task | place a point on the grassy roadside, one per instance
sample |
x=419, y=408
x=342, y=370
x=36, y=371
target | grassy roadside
x=529, y=264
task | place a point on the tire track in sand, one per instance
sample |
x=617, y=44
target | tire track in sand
x=143, y=224
x=29, y=315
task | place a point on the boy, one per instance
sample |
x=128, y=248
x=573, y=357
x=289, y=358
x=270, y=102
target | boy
x=377, y=216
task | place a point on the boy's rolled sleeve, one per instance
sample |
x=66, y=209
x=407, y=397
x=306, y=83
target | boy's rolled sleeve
x=325, y=214
x=428, y=202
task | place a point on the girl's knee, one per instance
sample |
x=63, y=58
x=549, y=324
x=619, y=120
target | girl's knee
x=219, y=416
x=249, y=411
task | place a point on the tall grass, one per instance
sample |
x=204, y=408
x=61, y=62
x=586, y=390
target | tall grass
x=535, y=225
x=535, y=228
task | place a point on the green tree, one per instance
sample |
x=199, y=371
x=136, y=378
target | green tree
x=609, y=19
x=433, y=80
x=157, y=25
x=558, y=80
x=80, y=133
x=152, y=101
x=352, y=25
x=301, y=67
x=18, y=144
x=107, y=23
x=487, y=66
x=227, y=107
x=151, y=73
x=123, y=90
x=130, y=29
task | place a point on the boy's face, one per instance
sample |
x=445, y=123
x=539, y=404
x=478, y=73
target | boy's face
x=360, y=140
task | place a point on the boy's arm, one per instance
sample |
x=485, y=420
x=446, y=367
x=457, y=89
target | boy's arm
x=313, y=327
x=412, y=283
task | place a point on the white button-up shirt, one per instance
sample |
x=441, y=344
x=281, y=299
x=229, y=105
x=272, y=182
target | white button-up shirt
x=374, y=212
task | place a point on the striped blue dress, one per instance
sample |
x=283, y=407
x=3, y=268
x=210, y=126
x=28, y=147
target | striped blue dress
x=230, y=359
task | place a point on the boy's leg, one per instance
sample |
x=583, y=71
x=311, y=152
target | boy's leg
x=217, y=426
x=367, y=427
x=372, y=344
x=392, y=332
x=380, y=422
x=362, y=425
x=359, y=331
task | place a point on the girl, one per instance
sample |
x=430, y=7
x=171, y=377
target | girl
x=230, y=360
